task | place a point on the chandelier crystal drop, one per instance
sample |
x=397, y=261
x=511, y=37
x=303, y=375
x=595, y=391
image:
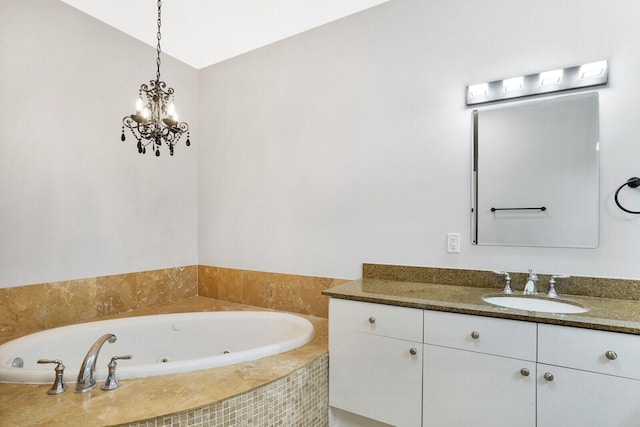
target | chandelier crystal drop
x=155, y=120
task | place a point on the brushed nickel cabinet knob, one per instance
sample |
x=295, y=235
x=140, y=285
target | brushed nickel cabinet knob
x=611, y=355
x=413, y=351
x=548, y=376
x=475, y=335
x=372, y=320
x=524, y=372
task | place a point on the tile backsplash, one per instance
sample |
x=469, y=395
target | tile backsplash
x=26, y=309
x=32, y=308
x=600, y=287
x=288, y=292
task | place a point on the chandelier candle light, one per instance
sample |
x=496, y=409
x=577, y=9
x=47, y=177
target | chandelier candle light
x=156, y=120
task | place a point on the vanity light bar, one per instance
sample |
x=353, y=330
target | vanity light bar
x=580, y=76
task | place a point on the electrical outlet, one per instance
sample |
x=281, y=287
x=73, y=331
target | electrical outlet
x=453, y=243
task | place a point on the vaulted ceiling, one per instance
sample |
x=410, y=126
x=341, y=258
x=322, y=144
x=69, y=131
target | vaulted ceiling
x=204, y=32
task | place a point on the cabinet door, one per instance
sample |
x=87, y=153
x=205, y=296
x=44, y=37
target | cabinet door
x=464, y=388
x=376, y=377
x=579, y=398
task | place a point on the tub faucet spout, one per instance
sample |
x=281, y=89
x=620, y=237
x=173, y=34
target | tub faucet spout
x=86, y=381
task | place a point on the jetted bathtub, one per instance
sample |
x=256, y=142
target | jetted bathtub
x=160, y=344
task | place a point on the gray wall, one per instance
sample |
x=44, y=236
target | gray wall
x=75, y=201
x=351, y=143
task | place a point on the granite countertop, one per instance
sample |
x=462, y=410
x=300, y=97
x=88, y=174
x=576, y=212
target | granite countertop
x=144, y=398
x=609, y=314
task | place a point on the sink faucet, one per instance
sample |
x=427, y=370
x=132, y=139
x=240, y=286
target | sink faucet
x=507, y=287
x=531, y=288
x=552, y=284
x=86, y=381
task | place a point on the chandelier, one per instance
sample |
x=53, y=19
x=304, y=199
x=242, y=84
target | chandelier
x=156, y=120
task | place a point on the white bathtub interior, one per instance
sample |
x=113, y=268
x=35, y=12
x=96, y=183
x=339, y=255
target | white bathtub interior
x=160, y=344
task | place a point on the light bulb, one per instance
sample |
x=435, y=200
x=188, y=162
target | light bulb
x=171, y=110
x=551, y=77
x=146, y=113
x=595, y=69
x=478, y=90
x=139, y=105
x=513, y=85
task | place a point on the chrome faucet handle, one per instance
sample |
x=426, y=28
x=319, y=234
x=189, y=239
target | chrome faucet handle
x=552, y=284
x=507, y=287
x=59, y=385
x=111, y=382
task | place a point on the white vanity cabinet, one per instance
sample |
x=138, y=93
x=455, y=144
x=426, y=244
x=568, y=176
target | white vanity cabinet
x=408, y=367
x=478, y=371
x=587, y=378
x=375, y=361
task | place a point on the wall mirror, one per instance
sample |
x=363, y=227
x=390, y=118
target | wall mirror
x=536, y=173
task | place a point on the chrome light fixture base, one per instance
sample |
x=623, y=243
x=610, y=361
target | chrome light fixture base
x=580, y=76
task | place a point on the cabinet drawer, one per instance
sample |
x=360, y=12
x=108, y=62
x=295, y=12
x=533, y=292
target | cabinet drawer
x=590, y=350
x=502, y=337
x=385, y=320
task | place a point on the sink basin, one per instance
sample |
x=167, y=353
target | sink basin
x=535, y=304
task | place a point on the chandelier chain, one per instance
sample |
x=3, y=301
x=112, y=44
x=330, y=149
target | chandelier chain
x=159, y=36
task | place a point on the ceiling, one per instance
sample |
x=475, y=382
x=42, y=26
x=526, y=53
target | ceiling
x=204, y=32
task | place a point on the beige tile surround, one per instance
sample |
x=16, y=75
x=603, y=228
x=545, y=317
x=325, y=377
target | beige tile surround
x=286, y=386
x=27, y=309
x=287, y=292
x=298, y=399
x=32, y=308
